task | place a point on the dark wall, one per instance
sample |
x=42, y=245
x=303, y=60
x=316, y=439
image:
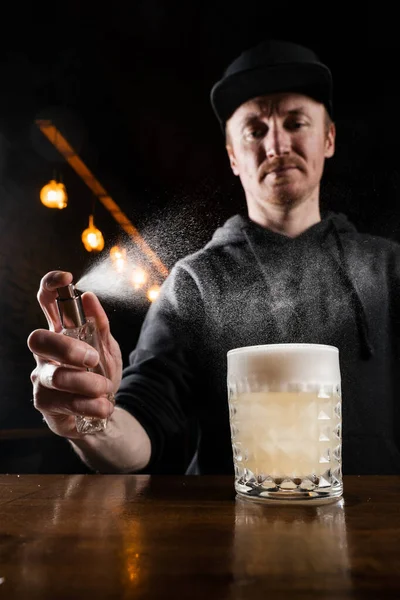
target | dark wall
x=131, y=93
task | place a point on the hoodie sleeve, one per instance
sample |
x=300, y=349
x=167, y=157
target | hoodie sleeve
x=157, y=387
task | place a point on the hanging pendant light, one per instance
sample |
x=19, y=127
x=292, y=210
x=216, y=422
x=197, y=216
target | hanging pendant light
x=153, y=293
x=138, y=277
x=54, y=195
x=118, y=257
x=92, y=238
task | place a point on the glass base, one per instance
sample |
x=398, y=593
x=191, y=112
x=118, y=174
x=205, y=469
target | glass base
x=298, y=497
x=90, y=425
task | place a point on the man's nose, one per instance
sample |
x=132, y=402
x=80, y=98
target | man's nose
x=277, y=142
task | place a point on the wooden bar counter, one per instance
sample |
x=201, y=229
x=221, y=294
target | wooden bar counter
x=136, y=536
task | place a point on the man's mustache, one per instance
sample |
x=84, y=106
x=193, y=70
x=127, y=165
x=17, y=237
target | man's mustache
x=277, y=165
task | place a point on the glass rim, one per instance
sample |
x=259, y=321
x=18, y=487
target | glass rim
x=263, y=347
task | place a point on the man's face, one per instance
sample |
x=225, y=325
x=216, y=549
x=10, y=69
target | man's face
x=277, y=145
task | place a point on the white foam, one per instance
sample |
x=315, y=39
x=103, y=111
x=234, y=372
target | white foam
x=282, y=364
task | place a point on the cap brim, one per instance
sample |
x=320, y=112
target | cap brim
x=313, y=80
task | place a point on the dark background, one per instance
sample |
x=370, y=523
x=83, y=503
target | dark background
x=129, y=87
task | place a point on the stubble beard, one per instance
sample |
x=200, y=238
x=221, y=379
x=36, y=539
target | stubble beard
x=283, y=195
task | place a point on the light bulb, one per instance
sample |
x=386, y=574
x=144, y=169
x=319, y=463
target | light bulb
x=92, y=237
x=54, y=195
x=139, y=277
x=153, y=292
x=118, y=257
x=120, y=265
x=116, y=252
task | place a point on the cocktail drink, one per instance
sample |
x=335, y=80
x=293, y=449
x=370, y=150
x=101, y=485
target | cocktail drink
x=285, y=416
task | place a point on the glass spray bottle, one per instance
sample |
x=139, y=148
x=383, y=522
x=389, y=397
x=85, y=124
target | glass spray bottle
x=76, y=325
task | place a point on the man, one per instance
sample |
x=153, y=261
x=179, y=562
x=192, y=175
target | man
x=281, y=275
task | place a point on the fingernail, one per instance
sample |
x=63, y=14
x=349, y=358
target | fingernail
x=91, y=358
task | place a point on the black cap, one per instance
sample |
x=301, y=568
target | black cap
x=271, y=67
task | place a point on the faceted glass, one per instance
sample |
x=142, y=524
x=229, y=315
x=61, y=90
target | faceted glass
x=285, y=417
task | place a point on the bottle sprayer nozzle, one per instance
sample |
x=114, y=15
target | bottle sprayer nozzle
x=66, y=292
x=70, y=307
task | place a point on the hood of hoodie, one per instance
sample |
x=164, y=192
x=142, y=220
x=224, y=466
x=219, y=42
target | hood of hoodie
x=234, y=230
x=328, y=233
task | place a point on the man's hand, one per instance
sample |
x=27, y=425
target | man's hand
x=63, y=387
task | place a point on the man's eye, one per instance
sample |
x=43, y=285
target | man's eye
x=255, y=134
x=296, y=125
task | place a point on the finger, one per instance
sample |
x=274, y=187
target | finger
x=99, y=408
x=93, y=308
x=48, y=293
x=75, y=381
x=52, y=346
x=36, y=373
x=57, y=404
x=45, y=375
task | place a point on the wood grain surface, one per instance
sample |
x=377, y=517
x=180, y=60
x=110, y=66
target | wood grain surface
x=136, y=536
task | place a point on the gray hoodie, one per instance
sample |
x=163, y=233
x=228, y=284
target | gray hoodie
x=249, y=286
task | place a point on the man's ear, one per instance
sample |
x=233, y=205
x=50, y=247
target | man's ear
x=330, y=141
x=232, y=159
